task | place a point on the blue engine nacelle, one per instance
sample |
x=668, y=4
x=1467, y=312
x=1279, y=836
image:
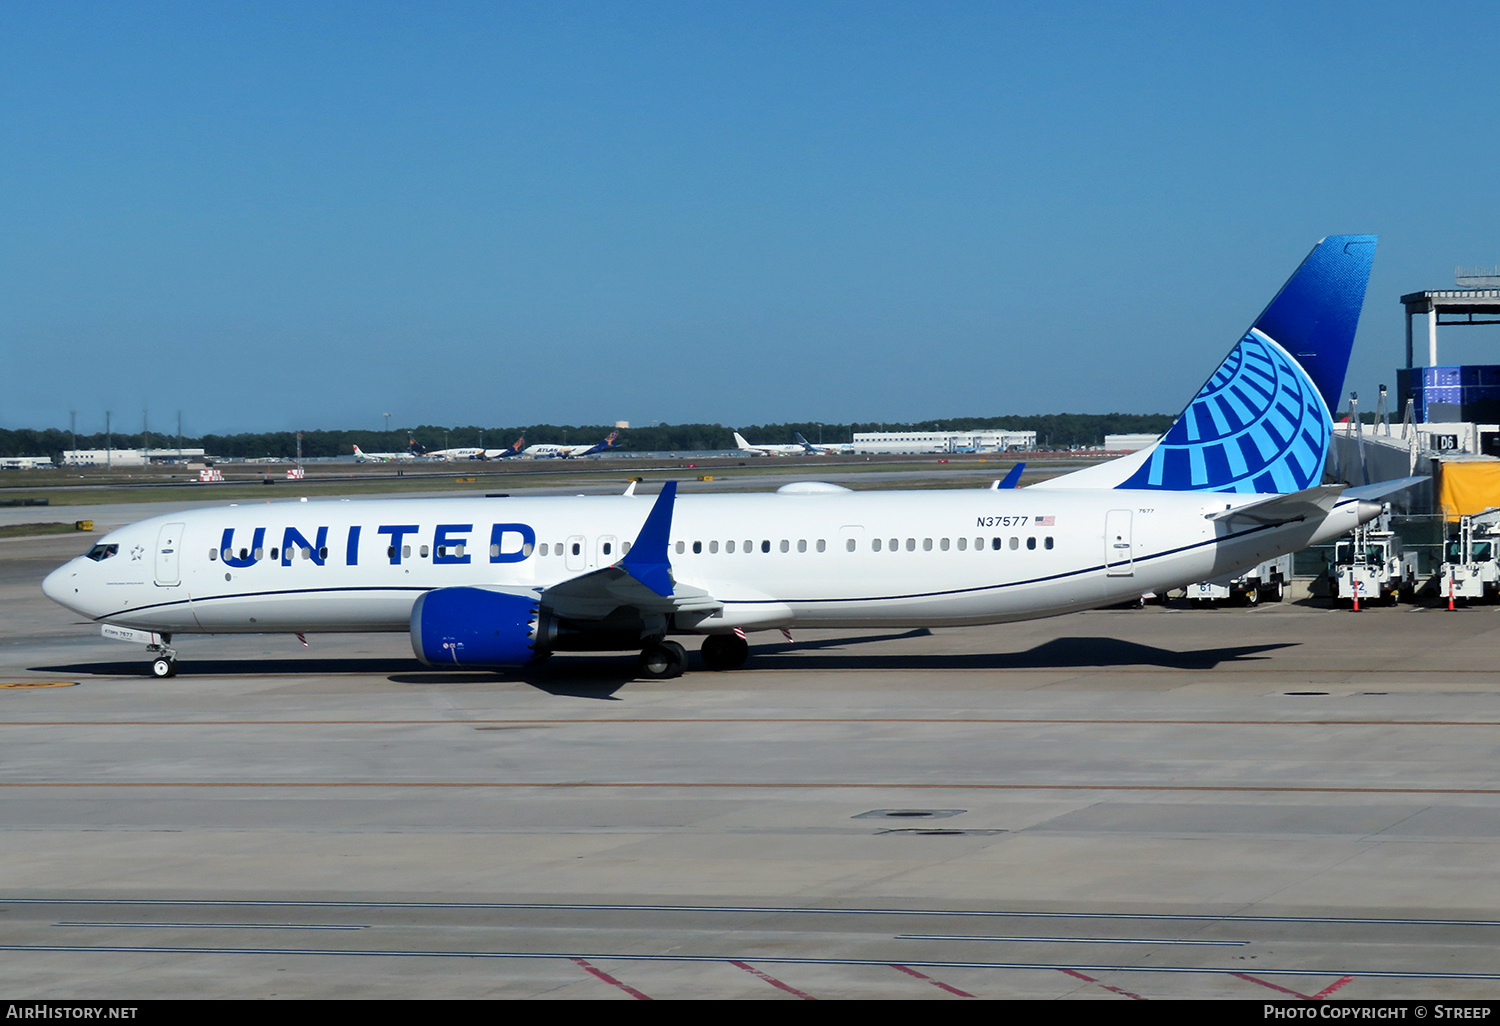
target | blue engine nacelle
x=476, y=627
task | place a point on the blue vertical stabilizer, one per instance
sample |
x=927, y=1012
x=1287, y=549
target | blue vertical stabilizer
x=1262, y=423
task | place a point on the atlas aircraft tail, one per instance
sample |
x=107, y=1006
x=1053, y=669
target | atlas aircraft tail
x=1262, y=423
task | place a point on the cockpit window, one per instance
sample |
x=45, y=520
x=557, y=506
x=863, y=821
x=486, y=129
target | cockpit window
x=99, y=552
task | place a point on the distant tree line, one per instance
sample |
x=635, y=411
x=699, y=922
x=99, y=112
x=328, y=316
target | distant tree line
x=1056, y=430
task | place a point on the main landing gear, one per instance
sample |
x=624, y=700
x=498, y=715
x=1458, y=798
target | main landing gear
x=663, y=660
x=724, y=651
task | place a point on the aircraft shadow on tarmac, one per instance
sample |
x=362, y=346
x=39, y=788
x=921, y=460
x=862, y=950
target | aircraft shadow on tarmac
x=1059, y=653
x=601, y=676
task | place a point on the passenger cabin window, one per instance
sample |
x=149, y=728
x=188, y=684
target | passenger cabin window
x=697, y=548
x=1031, y=543
x=874, y=544
x=765, y=546
x=1047, y=542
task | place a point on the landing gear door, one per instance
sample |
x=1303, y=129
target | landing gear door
x=168, y=546
x=1117, y=544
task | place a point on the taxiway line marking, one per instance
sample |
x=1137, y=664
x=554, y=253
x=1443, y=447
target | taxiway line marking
x=731, y=721
x=94, y=949
x=832, y=785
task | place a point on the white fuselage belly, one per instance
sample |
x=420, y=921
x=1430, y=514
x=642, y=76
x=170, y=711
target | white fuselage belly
x=944, y=568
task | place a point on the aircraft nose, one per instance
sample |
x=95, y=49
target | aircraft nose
x=61, y=585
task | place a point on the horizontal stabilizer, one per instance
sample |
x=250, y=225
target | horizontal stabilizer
x=1315, y=503
x=1380, y=489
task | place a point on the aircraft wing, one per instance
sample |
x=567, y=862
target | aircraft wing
x=642, y=580
x=599, y=593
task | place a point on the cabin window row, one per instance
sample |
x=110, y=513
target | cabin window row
x=876, y=545
x=304, y=553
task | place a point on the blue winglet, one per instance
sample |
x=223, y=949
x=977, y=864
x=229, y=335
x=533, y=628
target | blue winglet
x=647, y=559
x=1010, y=479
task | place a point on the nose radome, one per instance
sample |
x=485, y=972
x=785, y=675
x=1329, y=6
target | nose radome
x=58, y=585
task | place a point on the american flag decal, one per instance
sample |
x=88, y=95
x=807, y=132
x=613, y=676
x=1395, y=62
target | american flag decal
x=1046, y=521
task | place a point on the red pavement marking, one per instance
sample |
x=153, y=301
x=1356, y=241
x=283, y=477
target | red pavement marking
x=601, y=974
x=935, y=983
x=773, y=981
x=1273, y=986
x=1090, y=979
x=1320, y=995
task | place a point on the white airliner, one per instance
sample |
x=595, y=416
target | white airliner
x=768, y=450
x=361, y=456
x=545, y=451
x=475, y=453
x=504, y=582
x=819, y=449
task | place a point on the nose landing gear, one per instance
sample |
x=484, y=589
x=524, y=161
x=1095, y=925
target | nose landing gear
x=165, y=663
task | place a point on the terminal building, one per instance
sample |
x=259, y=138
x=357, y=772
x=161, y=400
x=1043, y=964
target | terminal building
x=1447, y=417
x=871, y=443
x=129, y=457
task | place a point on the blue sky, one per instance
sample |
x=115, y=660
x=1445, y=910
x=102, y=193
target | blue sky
x=307, y=215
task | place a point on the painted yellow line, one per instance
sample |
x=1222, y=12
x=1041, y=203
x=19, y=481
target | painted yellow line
x=39, y=684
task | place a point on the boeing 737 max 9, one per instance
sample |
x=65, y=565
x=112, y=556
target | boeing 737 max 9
x=504, y=582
